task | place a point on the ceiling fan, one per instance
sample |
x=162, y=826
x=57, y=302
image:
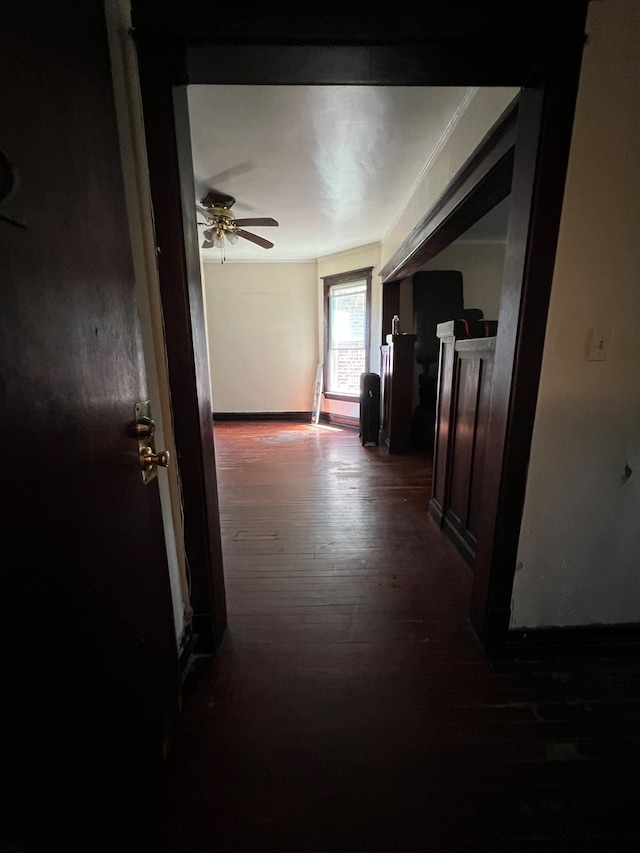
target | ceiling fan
x=220, y=222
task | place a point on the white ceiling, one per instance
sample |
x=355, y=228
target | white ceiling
x=335, y=165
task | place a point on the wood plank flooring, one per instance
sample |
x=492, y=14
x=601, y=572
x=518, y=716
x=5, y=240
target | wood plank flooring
x=351, y=708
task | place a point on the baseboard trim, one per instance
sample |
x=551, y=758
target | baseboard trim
x=340, y=420
x=596, y=634
x=459, y=542
x=435, y=511
x=297, y=417
x=303, y=417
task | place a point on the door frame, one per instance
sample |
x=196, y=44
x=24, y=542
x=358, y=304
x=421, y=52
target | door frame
x=537, y=47
x=168, y=142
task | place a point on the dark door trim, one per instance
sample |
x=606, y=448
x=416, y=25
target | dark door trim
x=538, y=47
x=545, y=122
x=172, y=192
x=363, y=274
x=528, y=147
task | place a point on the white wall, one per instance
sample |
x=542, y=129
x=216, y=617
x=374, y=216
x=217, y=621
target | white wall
x=481, y=265
x=353, y=259
x=481, y=113
x=263, y=336
x=579, y=553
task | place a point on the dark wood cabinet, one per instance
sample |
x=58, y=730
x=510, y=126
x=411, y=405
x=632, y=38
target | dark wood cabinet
x=464, y=393
x=396, y=392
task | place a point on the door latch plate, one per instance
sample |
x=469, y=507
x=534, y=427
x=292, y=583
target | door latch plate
x=145, y=431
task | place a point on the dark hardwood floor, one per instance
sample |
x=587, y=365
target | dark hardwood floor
x=351, y=708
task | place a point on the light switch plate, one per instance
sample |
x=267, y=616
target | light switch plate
x=598, y=346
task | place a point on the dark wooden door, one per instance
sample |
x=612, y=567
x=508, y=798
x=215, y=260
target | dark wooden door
x=93, y=691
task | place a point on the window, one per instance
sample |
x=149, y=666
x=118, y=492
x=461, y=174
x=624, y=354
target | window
x=347, y=310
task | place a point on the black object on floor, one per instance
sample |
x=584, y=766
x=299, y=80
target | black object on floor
x=369, y=408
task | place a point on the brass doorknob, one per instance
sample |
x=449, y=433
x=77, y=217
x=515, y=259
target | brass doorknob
x=148, y=458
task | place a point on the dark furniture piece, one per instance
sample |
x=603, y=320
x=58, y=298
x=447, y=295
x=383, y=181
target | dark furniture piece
x=396, y=389
x=369, y=408
x=437, y=297
x=464, y=392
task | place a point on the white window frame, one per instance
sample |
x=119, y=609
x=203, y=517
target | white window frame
x=352, y=278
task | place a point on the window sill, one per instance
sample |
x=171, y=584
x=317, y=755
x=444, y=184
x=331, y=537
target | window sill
x=346, y=398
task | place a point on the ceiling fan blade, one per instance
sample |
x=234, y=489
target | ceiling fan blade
x=203, y=211
x=253, y=238
x=215, y=198
x=259, y=220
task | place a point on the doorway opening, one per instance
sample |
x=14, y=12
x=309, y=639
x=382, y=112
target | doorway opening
x=297, y=152
x=547, y=70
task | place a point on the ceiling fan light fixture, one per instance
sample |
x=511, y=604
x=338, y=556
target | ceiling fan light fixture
x=222, y=223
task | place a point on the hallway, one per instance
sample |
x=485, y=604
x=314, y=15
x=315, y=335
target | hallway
x=351, y=708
